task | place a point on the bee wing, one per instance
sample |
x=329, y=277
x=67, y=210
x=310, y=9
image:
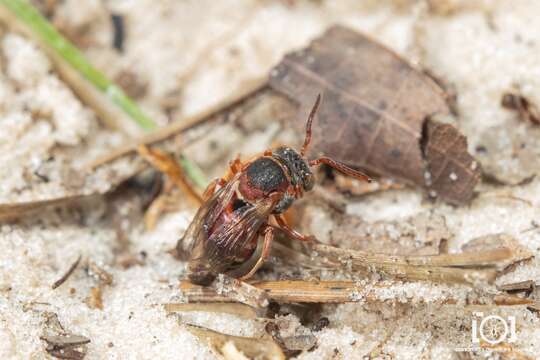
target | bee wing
x=221, y=248
x=226, y=243
x=205, y=216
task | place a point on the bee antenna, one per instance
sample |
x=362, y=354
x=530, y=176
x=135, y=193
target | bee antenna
x=307, y=140
x=341, y=168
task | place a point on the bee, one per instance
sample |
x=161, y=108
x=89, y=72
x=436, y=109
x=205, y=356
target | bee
x=236, y=210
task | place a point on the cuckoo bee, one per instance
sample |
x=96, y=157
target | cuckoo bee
x=236, y=210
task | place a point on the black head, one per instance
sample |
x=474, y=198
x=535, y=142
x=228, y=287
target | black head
x=297, y=165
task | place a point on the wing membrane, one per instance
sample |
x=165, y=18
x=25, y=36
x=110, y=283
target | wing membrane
x=224, y=246
x=207, y=214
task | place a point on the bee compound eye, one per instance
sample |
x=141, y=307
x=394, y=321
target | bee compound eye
x=309, y=182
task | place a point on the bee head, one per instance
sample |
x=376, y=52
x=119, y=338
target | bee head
x=298, y=167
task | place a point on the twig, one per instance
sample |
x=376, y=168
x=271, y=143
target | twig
x=241, y=310
x=167, y=165
x=535, y=306
x=240, y=291
x=11, y=211
x=469, y=267
x=64, y=277
x=344, y=291
x=527, y=285
x=510, y=300
x=488, y=257
x=181, y=125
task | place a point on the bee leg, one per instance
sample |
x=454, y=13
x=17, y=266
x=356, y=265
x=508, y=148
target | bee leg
x=235, y=166
x=267, y=246
x=290, y=231
x=211, y=188
x=171, y=168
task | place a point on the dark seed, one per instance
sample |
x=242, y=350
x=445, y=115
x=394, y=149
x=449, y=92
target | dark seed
x=119, y=35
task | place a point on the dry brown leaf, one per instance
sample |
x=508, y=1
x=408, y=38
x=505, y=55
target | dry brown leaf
x=374, y=111
x=62, y=344
x=453, y=172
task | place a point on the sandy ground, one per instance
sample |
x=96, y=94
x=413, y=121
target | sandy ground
x=185, y=56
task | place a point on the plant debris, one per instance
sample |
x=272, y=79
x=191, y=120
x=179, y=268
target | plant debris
x=240, y=310
x=60, y=343
x=527, y=286
x=66, y=347
x=534, y=307
x=273, y=330
x=483, y=260
x=238, y=347
x=367, y=121
x=95, y=298
x=64, y=277
x=291, y=345
x=104, y=277
x=516, y=253
x=240, y=291
x=345, y=291
x=526, y=110
x=437, y=268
